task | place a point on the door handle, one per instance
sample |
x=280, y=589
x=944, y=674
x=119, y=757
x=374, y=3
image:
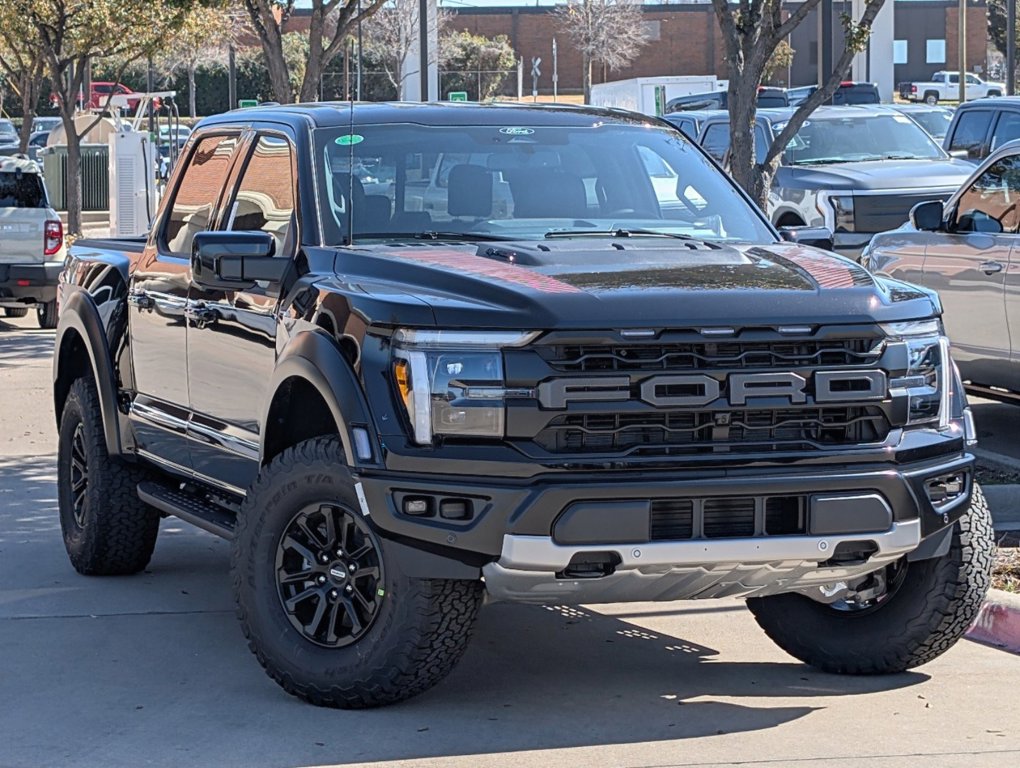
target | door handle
x=991, y=267
x=201, y=316
x=141, y=300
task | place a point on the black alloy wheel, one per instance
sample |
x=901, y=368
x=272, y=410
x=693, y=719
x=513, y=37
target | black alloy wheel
x=329, y=575
x=79, y=475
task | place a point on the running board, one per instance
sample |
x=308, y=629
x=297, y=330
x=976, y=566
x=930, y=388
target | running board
x=188, y=507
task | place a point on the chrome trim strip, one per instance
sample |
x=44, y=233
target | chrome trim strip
x=222, y=439
x=158, y=417
x=191, y=473
x=164, y=462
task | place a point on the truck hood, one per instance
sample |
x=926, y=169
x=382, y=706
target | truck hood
x=877, y=175
x=615, y=283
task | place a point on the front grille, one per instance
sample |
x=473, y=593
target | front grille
x=727, y=517
x=683, y=432
x=710, y=355
x=880, y=213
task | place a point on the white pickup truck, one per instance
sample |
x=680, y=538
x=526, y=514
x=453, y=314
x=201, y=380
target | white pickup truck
x=945, y=86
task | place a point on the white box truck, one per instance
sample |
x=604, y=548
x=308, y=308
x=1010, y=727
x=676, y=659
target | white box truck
x=650, y=94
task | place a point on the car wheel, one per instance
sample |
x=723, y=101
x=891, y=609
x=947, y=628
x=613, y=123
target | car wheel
x=931, y=98
x=15, y=311
x=324, y=605
x=46, y=313
x=107, y=529
x=925, y=608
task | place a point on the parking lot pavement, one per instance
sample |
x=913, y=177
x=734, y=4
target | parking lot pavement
x=998, y=427
x=152, y=670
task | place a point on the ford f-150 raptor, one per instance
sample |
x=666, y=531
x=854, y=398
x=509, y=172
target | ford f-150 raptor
x=594, y=386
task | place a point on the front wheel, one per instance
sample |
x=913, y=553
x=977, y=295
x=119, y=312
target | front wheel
x=15, y=311
x=324, y=605
x=923, y=608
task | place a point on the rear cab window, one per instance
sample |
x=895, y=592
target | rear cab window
x=21, y=190
x=1007, y=128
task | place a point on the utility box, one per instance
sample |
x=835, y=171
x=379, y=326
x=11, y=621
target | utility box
x=650, y=94
x=133, y=194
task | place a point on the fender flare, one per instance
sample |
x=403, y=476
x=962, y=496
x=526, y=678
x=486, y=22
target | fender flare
x=317, y=359
x=79, y=313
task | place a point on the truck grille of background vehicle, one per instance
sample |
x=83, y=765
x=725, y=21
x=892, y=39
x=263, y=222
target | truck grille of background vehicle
x=686, y=432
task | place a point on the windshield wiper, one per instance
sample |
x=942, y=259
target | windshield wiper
x=431, y=235
x=617, y=233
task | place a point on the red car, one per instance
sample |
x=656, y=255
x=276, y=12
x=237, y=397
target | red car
x=99, y=94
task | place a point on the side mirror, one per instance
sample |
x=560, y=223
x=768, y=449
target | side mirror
x=816, y=237
x=228, y=260
x=927, y=216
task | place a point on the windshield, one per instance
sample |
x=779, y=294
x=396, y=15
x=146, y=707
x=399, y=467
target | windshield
x=521, y=182
x=856, y=138
x=936, y=122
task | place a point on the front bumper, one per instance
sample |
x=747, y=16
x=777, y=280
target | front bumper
x=521, y=535
x=22, y=284
x=851, y=244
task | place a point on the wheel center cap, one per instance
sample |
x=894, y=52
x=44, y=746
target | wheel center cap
x=338, y=572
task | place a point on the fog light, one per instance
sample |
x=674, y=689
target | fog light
x=455, y=509
x=942, y=490
x=418, y=506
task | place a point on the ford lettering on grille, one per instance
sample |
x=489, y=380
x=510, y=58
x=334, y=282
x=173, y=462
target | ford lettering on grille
x=697, y=390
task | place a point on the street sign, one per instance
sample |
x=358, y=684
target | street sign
x=242, y=103
x=535, y=71
x=457, y=96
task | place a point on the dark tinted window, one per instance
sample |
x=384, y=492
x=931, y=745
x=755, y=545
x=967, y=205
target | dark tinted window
x=717, y=140
x=990, y=203
x=197, y=191
x=858, y=93
x=772, y=100
x=970, y=132
x=1006, y=129
x=21, y=190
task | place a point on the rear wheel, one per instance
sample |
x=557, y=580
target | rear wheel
x=931, y=98
x=46, y=313
x=910, y=613
x=15, y=311
x=107, y=529
x=324, y=605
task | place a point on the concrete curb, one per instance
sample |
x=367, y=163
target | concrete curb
x=998, y=622
x=996, y=460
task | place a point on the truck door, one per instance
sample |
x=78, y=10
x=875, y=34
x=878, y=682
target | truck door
x=968, y=267
x=232, y=334
x=158, y=297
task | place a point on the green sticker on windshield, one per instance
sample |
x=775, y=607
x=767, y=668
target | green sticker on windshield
x=349, y=140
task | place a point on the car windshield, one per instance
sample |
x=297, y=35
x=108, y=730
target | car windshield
x=856, y=138
x=935, y=122
x=20, y=190
x=490, y=182
x=7, y=130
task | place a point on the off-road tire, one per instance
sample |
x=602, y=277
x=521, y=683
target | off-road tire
x=46, y=314
x=421, y=627
x=114, y=532
x=15, y=311
x=933, y=607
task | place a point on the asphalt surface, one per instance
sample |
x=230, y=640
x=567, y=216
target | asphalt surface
x=152, y=670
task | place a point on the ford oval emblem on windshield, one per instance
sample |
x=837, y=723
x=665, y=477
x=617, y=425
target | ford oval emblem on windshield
x=517, y=131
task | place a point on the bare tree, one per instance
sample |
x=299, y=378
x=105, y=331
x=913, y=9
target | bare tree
x=391, y=34
x=606, y=32
x=751, y=31
x=21, y=60
x=330, y=22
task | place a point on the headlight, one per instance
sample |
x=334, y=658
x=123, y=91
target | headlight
x=926, y=383
x=842, y=215
x=451, y=382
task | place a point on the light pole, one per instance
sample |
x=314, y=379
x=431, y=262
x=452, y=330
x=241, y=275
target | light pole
x=1010, y=47
x=961, y=48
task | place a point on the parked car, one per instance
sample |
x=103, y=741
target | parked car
x=968, y=250
x=767, y=98
x=31, y=243
x=981, y=127
x=180, y=133
x=855, y=170
x=690, y=121
x=44, y=123
x=100, y=93
x=36, y=143
x=847, y=93
x=8, y=133
x=612, y=390
x=934, y=119
x=945, y=86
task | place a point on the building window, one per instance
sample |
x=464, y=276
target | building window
x=899, y=52
x=935, y=51
x=652, y=29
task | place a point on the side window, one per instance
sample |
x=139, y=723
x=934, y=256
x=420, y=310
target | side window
x=971, y=129
x=990, y=203
x=761, y=144
x=1007, y=129
x=972, y=80
x=192, y=207
x=954, y=79
x=717, y=140
x=265, y=194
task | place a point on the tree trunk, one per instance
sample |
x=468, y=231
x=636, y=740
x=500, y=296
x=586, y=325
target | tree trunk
x=29, y=95
x=586, y=77
x=73, y=184
x=313, y=66
x=310, y=85
x=192, y=110
x=279, y=75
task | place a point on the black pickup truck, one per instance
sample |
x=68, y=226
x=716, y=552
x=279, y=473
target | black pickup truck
x=407, y=355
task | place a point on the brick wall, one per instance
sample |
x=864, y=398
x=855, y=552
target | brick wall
x=977, y=38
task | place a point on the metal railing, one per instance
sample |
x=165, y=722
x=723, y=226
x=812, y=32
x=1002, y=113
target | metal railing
x=95, y=176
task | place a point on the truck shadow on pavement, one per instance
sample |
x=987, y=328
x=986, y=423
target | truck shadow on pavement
x=158, y=659
x=25, y=346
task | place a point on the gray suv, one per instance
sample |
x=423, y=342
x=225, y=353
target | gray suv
x=855, y=170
